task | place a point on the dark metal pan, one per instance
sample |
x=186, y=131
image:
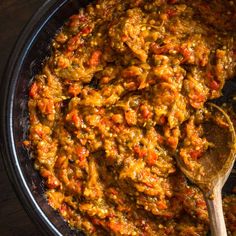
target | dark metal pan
x=25, y=62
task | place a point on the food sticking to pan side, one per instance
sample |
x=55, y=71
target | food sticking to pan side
x=121, y=93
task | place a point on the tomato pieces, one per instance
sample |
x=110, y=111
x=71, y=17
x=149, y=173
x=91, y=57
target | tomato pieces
x=33, y=90
x=215, y=85
x=95, y=58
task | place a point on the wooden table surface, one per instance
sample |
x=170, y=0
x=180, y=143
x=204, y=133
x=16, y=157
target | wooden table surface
x=14, y=14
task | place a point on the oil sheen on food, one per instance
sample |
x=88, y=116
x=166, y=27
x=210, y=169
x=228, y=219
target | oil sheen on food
x=124, y=82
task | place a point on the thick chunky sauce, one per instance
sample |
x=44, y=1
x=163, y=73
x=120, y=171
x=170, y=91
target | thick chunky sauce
x=124, y=82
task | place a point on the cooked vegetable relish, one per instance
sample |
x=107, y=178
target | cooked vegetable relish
x=125, y=80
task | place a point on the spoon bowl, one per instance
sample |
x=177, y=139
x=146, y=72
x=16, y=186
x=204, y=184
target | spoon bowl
x=212, y=169
x=217, y=162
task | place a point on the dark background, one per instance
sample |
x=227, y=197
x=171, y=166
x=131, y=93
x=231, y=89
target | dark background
x=14, y=14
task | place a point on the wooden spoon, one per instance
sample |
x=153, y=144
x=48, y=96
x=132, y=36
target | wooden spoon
x=215, y=164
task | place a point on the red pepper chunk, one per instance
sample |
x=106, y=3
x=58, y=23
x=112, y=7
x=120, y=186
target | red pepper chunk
x=196, y=154
x=146, y=114
x=77, y=20
x=152, y=158
x=86, y=30
x=75, y=118
x=33, y=90
x=171, y=12
x=95, y=58
x=141, y=153
x=209, y=75
x=161, y=205
x=115, y=226
x=215, y=85
x=156, y=49
x=186, y=54
x=82, y=153
x=52, y=182
x=74, y=42
x=163, y=120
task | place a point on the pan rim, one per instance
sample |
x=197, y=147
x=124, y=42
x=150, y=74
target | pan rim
x=7, y=89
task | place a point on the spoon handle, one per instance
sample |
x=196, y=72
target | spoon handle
x=216, y=215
